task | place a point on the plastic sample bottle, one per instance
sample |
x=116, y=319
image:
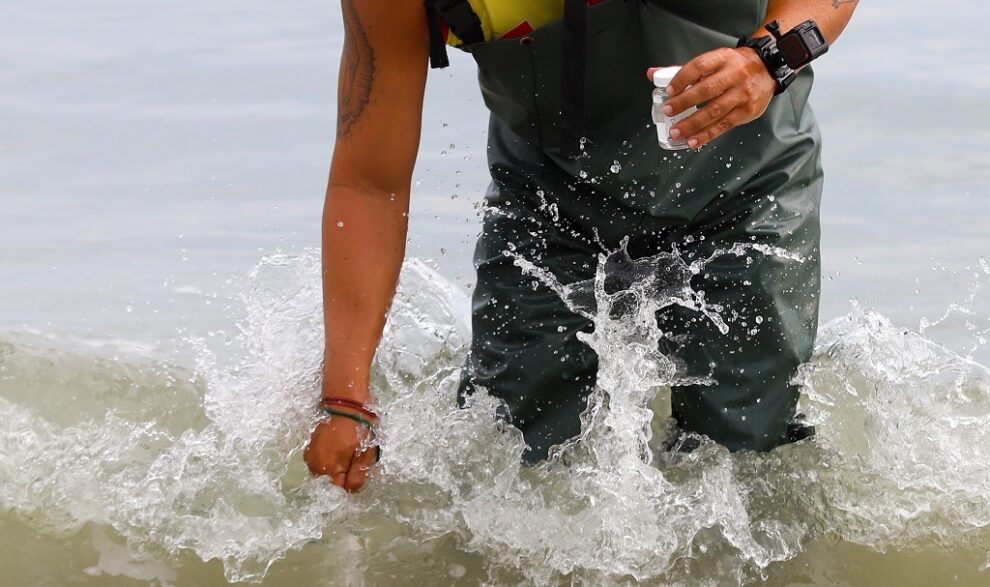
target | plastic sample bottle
x=661, y=79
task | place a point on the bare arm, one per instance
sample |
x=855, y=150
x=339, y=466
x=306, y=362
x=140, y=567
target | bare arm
x=734, y=82
x=380, y=102
x=380, y=99
x=832, y=16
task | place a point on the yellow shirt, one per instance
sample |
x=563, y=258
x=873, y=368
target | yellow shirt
x=507, y=19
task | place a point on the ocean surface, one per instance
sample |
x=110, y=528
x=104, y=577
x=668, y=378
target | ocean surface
x=162, y=172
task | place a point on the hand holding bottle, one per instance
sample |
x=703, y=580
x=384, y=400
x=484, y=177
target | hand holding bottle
x=730, y=87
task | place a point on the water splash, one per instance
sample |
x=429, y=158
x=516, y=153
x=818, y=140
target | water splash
x=908, y=424
x=976, y=325
x=207, y=462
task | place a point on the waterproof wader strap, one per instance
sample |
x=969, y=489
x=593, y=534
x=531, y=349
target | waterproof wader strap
x=462, y=19
x=438, y=46
x=575, y=47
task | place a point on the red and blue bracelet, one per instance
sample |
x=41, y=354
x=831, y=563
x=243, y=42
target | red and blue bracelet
x=366, y=416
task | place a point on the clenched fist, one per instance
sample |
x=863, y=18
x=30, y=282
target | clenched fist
x=339, y=448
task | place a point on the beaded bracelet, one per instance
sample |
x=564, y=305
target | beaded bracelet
x=360, y=420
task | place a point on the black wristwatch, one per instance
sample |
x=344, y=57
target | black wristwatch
x=784, y=54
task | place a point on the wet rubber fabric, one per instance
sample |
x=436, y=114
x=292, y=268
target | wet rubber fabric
x=759, y=183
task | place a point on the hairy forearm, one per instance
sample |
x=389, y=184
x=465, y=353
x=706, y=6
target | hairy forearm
x=364, y=236
x=832, y=16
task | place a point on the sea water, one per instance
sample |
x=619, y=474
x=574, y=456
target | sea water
x=157, y=466
x=160, y=332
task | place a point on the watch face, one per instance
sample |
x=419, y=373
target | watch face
x=794, y=51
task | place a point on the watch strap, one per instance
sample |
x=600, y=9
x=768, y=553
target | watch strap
x=766, y=48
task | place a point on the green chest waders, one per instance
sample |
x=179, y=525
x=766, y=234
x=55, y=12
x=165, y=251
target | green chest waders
x=759, y=183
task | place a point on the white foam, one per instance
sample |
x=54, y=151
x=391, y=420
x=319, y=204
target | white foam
x=208, y=463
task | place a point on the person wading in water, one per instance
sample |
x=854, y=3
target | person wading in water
x=576, y=170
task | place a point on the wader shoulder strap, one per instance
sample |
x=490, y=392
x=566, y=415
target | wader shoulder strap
x=465, y=23
x=438, y=46
x=573, y=80
x=462, y=20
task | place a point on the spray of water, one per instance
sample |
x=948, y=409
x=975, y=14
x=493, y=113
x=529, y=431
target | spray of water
x=207, y=463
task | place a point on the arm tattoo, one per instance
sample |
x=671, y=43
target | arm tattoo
x=838, y=3
x=357, y=71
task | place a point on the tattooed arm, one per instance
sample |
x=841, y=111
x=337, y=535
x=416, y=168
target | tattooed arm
x=734, y=83
x=832, y=16
x=379, y=109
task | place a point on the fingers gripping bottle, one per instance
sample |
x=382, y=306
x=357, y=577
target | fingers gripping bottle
x=661, y=79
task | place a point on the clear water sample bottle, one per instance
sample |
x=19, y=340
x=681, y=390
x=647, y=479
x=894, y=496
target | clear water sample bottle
x=661, y=79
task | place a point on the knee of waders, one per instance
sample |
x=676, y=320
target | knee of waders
x=546, y=409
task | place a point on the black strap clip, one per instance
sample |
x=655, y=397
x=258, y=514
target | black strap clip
x=462, y=19
x=438, y=45
x=766, y=48
x=573, y=78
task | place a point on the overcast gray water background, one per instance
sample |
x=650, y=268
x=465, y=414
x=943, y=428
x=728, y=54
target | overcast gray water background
x=152, y=153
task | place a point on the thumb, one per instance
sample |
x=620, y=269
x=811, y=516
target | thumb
x=363, y=459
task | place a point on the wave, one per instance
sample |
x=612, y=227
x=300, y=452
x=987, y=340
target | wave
x=206, y=460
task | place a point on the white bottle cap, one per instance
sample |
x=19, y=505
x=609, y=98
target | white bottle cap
x=662, y=76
